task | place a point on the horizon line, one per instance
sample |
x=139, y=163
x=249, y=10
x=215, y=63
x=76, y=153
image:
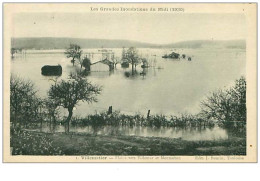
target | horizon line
x=241, y=39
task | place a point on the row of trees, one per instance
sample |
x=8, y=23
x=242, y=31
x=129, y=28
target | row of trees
x=130, y=56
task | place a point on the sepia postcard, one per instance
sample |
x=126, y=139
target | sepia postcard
x=130, y=82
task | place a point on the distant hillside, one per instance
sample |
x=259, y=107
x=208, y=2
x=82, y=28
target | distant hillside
x=62, y=43
x=209, y=44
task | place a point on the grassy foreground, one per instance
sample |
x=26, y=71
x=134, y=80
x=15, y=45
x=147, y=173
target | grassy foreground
x=35, y=143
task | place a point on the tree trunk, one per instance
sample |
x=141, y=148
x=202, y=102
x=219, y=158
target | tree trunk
x=41, y=124
x=15, y=118
x=132, y=67
x=20, y=121
x=73, y=61
x=54, y=123
x=50, y=123
x=68, y=120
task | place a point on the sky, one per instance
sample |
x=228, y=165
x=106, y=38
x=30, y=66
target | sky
x=157, y=28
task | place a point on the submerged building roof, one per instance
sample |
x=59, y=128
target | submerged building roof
x=105, y=61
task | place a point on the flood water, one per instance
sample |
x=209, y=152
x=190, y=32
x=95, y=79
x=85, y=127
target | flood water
x=189, y=134
x=176, y=87
x=170, y=87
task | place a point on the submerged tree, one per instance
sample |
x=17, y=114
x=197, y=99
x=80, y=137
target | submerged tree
x=115, y=60
x=227, y=106
x=132, y=57
x=144, y=62
x=74, y=52
x=68, y=93
x=86, y=63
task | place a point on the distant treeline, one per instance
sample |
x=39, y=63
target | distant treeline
x=63, y=43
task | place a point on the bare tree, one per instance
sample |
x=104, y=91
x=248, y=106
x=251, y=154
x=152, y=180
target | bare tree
x=217, y=106
x=227, y=106
x=68, y=93
x=74, y=52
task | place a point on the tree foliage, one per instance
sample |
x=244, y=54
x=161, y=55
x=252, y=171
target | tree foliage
x=68, y=93
x=86, y=63
x=74, y=52
x=132, y=57
x=24, y=102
